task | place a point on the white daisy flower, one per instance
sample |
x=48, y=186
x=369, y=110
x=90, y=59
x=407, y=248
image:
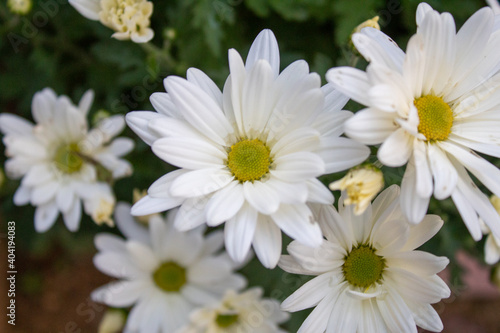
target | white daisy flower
x=129, y=18
x=244, y=312
x=432, y=109
x=369, y=277
x=248, y=156
x=62, y=164
x=163, y=274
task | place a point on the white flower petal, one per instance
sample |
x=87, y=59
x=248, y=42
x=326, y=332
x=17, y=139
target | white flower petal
x=298, y=167
x=340, y=154
x=88, y=8
x=128, y=226
x=22, y=196
x=417, y=262
x=199, y=109
x=119, y=294
x=45, y=216
x=344, y=315
x=486, y=172
x=350, y=81
x=200, y=182
x=239, y=232
x=396, y=149
x=142, y=256
x=311, y=293
x=163, y=104
x=258, y=98
x=396, y=314
x=13, y=125
x=444, y=174
x=265, y=47
x=191, y=214
x=73, y=216
x=202, y=80
x=318, y=319
x=189, y=153
x=370, y=126
x=301, y=139
x=422, y=232
x=150, y=205
x=297, y=222
x=317, y=192
x=225, y=203
x=412, y=204
x=267, y=242
x=261, y=197
x=138, y=122
x=377, y=47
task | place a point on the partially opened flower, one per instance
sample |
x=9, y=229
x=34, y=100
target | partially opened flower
x=432, y=109
x=129, y=18
x=163, y=274
x=236, y=312
x=369, y=277
x=248, y=155
x=62, y=164
x=362, y=184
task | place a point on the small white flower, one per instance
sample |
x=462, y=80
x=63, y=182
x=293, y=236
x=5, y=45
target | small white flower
x=369, y=277
x=61, y=163
x=361, y=184
x=248, y=156
x=129, y=18
x=245, y=312
x=432, y=109
x=163, y=274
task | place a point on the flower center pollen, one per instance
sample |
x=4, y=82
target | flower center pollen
x=249, y=160
x=226, y=320
x=68, y=159
x=170, y=276
x=362, y=267
x=436, y=117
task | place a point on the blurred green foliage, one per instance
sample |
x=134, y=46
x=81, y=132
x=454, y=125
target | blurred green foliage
x=54, y=46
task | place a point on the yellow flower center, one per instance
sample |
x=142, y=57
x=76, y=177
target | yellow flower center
x=68, y=159
x=170, y=276
x=249, y=160
x=362, y=267
x=226, y=320
x=436, y=117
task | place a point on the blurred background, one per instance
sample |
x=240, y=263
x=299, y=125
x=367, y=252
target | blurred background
x=54, y=46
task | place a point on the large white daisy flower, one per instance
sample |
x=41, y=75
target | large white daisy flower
x=163, y=274
x=238, y=312
x=248, y=155
x=369, y=277
x=62, y=164
x=432, y=108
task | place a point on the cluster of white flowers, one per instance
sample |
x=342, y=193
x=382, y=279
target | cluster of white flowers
x=129, y=18
x=249, y=157
x=165, y=274
x=62, y=164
